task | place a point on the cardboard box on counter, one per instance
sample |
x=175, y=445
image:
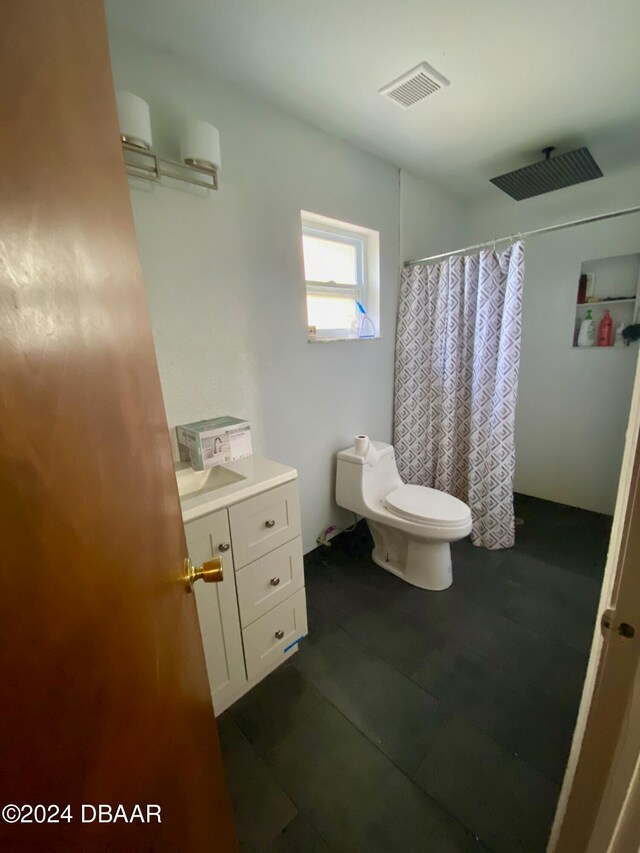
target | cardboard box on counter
x=204, y=444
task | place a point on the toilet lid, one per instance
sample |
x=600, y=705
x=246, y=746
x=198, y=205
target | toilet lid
x=418, y=503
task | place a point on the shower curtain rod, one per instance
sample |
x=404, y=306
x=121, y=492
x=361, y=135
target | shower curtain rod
x=521, y=234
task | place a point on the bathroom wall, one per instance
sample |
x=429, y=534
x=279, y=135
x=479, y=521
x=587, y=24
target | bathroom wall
x=573, y=405
x=432, y=220
x=224, y=275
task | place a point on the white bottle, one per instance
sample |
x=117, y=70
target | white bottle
x=587, y=334
x=619, y=339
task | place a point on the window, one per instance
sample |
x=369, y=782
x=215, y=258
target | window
x=341, y=270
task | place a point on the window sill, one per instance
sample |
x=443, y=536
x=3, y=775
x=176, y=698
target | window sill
x=341, y=340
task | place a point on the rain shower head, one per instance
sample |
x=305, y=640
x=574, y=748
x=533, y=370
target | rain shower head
x=549, y=174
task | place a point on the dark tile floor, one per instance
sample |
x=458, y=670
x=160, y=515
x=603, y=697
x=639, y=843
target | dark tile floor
x=418, y=721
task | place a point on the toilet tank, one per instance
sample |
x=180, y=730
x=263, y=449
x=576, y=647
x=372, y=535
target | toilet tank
x=359, y=484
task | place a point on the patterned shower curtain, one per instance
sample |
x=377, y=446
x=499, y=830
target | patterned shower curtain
x=457, y=359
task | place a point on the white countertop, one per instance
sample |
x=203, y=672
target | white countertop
x=202, y=492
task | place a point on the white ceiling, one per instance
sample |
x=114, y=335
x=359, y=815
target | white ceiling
x=523, y=74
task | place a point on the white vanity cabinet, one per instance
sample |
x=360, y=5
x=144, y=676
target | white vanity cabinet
x=217, y=608
x=254, y=618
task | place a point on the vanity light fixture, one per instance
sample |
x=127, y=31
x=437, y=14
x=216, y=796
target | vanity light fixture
x=199, y=147
x=135, y=121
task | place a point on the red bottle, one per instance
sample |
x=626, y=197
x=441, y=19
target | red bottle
x=605, y=330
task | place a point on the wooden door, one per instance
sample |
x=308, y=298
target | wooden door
x=104, y=695
x=606, y=749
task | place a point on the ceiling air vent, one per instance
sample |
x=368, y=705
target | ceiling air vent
x=414, y=86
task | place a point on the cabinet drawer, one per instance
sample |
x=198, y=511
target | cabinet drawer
x=263, y=523
x=268, y=581
x=267, y=638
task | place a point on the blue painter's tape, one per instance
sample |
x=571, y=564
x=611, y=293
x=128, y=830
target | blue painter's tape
x=295, y=643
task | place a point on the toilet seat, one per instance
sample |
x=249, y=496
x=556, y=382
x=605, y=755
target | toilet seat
x=427, y=506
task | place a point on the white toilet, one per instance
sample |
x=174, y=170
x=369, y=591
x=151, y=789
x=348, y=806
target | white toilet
x=411, y=526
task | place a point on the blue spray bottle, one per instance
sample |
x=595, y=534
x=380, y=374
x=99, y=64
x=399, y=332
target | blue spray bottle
x=367, y=329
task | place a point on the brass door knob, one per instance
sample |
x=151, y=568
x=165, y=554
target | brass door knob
x=210, y=571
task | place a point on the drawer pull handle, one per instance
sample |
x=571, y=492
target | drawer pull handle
x=270, y=523
x=274, y=581
x=224, y=546
x=279, y=634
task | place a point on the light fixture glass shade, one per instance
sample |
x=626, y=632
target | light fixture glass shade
x=200, y=144
x=135, y=121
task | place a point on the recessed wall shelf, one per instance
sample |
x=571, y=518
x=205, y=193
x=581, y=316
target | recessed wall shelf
x=629, y=301
x=146, y=164
x=616, y=283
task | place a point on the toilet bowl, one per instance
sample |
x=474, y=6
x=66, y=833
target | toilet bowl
x=412, y=526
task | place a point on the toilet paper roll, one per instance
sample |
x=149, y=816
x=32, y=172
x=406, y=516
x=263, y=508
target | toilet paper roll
x=361, y=445
x=364, y=447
